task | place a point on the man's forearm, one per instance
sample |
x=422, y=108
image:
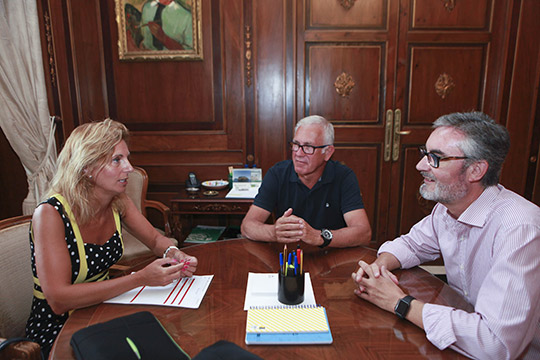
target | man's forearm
x=258, y=231
x=350, y=236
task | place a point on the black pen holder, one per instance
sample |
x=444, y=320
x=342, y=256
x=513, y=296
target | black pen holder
x=290, y=288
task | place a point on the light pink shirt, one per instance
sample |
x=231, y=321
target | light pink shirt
x=492, y=257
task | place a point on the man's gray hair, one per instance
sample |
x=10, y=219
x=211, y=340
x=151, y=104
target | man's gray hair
x=484, y=140
x=328, y=128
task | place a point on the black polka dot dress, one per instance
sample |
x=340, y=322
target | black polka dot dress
x=89, y=262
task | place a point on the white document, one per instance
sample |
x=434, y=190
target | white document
x=262, y=290
x=186, y=293
x=244, y=190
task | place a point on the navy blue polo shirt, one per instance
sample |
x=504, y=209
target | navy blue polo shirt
x=336, y=193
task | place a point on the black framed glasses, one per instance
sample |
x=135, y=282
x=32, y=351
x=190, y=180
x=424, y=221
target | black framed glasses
x=434, y=159
x=307, y=149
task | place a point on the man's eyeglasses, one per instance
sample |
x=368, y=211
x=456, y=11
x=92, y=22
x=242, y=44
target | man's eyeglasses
x=307, y=149
x=434, y=159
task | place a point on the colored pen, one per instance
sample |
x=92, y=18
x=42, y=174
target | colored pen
x=281, y=262
x=301, y=261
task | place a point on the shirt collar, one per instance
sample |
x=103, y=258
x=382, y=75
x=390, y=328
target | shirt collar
x=477, y=213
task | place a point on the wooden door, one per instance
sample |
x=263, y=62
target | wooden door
x=376, y=68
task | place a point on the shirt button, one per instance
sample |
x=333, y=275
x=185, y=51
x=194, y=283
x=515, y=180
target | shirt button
x=461, y=267
x=465, y=293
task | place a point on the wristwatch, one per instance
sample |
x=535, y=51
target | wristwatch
x=403, y=305
x=327, y=237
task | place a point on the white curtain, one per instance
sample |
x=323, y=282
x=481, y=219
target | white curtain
x=24, y=114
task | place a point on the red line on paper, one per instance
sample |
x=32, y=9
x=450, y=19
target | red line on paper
x=178, y=293
x=172, y=291
x=192, y=281
x=140, y=291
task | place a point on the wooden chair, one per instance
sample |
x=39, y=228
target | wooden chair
x=16, y=289
x=136, y=190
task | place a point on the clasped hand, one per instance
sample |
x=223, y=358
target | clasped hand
x=377, y=285
x=290, y=228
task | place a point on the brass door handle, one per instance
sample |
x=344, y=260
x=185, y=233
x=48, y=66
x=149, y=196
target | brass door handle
x=404, y=132
x=397, y=134
x=388, y=126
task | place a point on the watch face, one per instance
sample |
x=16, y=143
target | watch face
x=401, y=308
x=326, y=234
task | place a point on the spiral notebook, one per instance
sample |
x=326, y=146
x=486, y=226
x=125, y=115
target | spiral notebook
x=272, y=325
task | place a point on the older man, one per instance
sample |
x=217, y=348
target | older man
x=318, y=199
x=488, y=236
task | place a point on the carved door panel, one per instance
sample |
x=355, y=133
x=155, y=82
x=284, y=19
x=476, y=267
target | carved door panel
x=382, y=71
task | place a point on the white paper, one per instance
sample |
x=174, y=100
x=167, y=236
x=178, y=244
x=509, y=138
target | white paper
x=244, y=190
x=186, y=293
x=262, y=290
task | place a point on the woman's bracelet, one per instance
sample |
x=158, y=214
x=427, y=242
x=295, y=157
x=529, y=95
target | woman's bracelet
x=168, y=249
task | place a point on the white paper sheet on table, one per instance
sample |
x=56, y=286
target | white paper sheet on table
x=262, y=288
x=186, y=293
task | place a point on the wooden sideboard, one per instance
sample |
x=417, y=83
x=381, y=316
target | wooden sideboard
x=190, y=209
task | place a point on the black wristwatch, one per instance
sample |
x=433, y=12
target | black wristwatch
x=403, y=305
x=327, y=237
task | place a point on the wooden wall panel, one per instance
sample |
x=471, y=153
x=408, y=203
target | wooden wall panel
x=429, y=14
x=172, y=95
x=270, y=82
x=524, y=96
x=87, y=54
x=347, y=14
x=175, y=110
x=362, y=64
x=447, y=77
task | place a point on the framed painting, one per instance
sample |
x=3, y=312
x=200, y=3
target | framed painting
x=159, y=29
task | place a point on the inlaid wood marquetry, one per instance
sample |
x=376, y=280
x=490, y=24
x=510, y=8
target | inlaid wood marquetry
x=449, y=4
x=344, y=84
x=347, y=4
x=444, y=85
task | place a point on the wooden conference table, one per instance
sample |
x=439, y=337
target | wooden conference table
x=360, y=329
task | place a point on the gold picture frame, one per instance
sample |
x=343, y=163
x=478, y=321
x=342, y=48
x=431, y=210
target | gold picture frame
x=159, y=30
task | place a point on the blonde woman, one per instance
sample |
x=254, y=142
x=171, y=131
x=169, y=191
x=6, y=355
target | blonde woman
x=76, y=234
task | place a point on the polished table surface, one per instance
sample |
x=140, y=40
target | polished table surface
x=360, y=329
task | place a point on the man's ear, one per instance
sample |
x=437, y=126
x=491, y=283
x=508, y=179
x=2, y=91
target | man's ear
x=477, y=170
x=329, y=151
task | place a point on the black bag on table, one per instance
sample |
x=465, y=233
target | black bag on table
x=137, y=336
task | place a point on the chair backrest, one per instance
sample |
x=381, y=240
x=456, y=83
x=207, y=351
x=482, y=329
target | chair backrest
x=137, y=186
x=15, y=276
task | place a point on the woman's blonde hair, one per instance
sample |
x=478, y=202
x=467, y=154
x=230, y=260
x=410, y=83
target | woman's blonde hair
x=90, y=146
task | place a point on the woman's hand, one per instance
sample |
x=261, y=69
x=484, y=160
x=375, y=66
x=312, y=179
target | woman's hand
x=189, y=263
x=161, y=272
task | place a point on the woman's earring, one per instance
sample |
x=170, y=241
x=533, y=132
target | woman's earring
x=89, y=176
